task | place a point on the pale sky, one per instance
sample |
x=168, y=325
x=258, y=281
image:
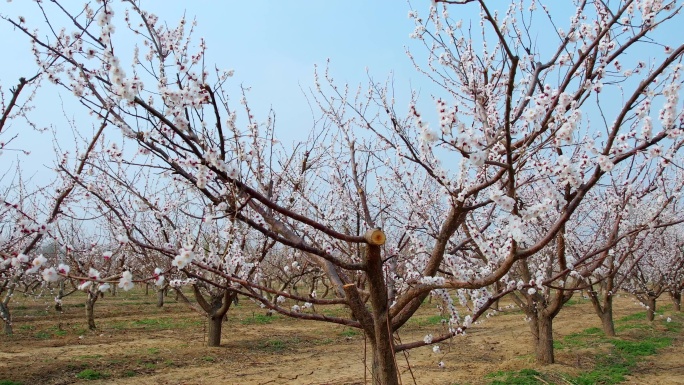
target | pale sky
x=271, y=45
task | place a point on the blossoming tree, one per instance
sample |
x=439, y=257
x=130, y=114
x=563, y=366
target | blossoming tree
x=388, y=204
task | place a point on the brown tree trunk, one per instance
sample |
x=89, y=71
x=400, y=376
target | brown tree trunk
x=384, y=365
x=676, y=300
x=384, y=369
x=214, y=330
x=160, y=297
x=542, y=331
x=60, y=295
x=6, y=319
x=607, y=318
x=603, y=306
x=650, y=312
x=147, y=289
x=90, y=309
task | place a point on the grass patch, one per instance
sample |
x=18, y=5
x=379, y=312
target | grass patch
x=433, y=320
x=154, y=323
x=208, y=359
x=622, y=357
x=610, y=369
x=522, y=377
x=160, y=323
x=575, y=301
x=258, y=319
x=90, y=374
x=9, y=382
x=646, y=347
x=617, y=356
x=639, y=316
x=278, y=345
x=153, y=351
x=580, y=339
x=349, y=333
x=130, y=373
x=644, y=327
x=42, y=335
x=336, y=312
x=89, y=357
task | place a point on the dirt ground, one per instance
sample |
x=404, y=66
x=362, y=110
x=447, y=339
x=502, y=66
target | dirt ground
x=138, y=343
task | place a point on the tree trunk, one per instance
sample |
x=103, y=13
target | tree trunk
x=385, y=370
x=214, y=330
x=676, y=300
x=147, y=289
x=542, y=331
x=650, y=312
x=160, y=297
x=90, y=307
x=60, y=295
x=603, y=306
x=607, y=318
x=6, y=318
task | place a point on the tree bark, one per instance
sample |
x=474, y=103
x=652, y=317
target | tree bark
x=60, y=295
x=160, y=297
x=384, y=369
x=650, y=312
x=542, y=331
x=676, y=300
x=214, y=330
x=6, y=319
x=90, y=309
x=607, y=318
x=604, y=309
x=215, y=308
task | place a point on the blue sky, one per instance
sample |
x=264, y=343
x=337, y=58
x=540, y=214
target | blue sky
x=272, y=46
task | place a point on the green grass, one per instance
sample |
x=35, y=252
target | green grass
x=90, y=374
x=153, y=351
x=522, y=377
x=43, y=335
x=617, y=357
x=159, y=323
x=625, y=327
x=274, y=345
x=278, y=345
x=579, y=340
x=575, y=301
x=258, y=319
x=433, y=320
x=154, y=323
x=639, y=316
x=646, y=347
x=349, y=332
x=9, y=382
x=89, y=357
x=609, y=369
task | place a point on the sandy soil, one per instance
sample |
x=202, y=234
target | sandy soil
x=138, y=343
